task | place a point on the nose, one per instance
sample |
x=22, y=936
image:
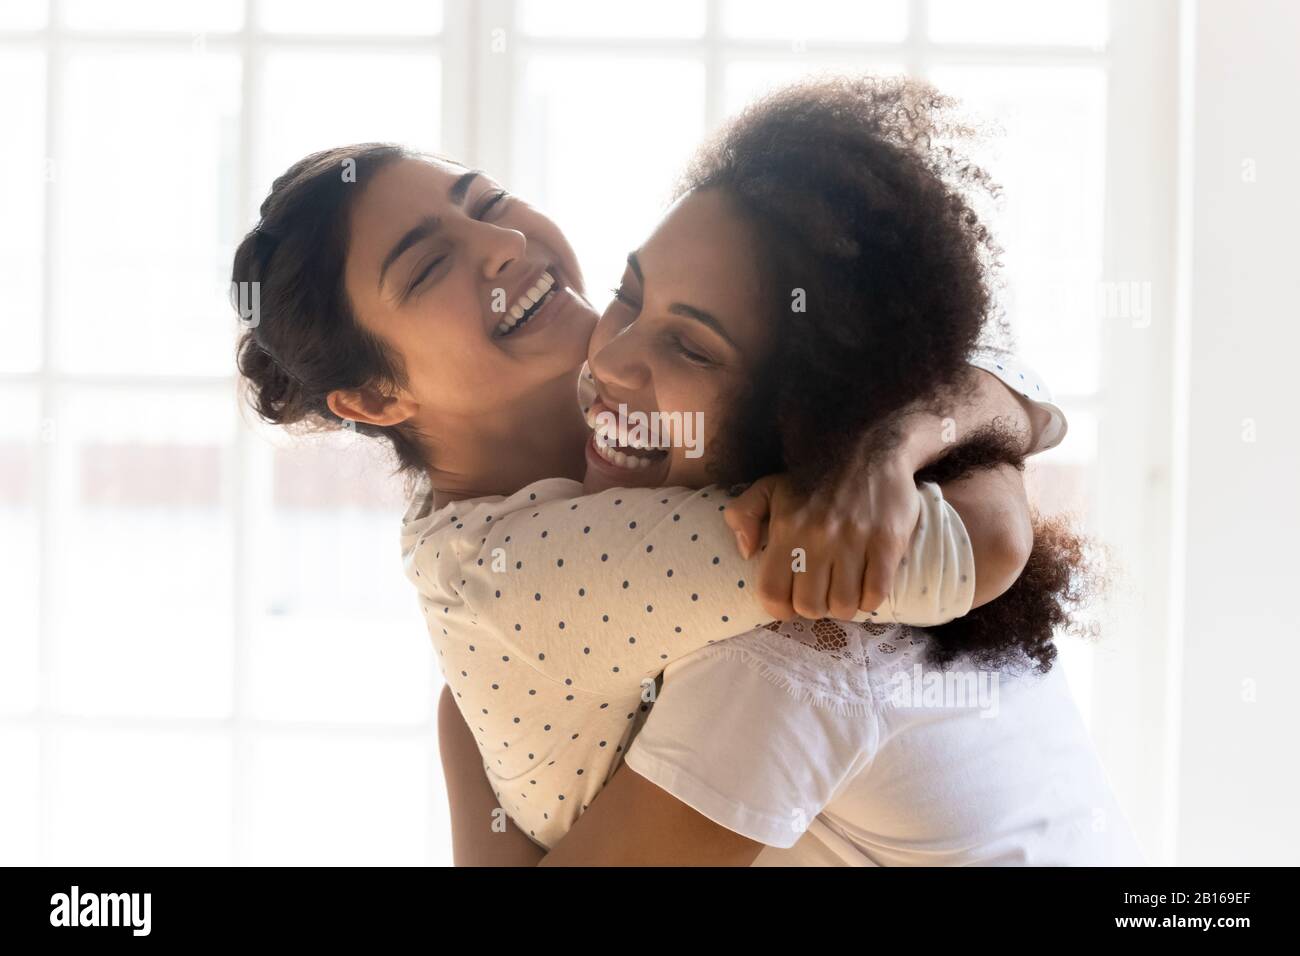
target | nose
x=498, y=248
x=620, y=365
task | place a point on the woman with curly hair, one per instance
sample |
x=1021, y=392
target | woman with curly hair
x=425, y=305
x=833, y=741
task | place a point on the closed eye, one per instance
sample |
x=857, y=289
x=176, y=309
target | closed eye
x=493, y=200
x=422, y=275
x=686, y=352
x=623, y=298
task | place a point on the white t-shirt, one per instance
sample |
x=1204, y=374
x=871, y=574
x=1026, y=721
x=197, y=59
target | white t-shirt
x=553, y=612
x=836, y=745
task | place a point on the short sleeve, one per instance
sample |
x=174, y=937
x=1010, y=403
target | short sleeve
x=729, y=737
x=1050, y=425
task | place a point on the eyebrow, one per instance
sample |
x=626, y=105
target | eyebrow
x=429, y=225
x=461, y=186
x=681, y=308
x=704, y=318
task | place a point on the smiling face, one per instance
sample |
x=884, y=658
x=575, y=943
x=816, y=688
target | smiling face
x=478, y=293
x=682, y=336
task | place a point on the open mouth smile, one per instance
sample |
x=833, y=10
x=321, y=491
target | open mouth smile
x=529, y=303
x=631, y=455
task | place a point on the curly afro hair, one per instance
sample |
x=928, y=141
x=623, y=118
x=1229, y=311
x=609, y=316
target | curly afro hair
x=878, y=270
x=860, y=204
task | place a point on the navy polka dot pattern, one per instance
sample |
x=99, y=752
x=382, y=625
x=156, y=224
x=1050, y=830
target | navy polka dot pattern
x=1051, y=426
x=549, y=609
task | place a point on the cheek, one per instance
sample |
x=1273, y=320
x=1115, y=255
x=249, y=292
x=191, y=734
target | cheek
x=694, y=396
x=541, y=230
x=446, y=348
x=710, y=395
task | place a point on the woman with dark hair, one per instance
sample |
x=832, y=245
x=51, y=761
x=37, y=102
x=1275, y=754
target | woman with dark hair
x=421, y=302
x=822, y=735
x=390, y=299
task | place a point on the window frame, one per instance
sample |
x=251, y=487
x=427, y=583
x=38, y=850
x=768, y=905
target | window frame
x=1137, y=676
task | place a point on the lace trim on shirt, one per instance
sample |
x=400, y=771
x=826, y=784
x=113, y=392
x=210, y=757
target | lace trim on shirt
x=841, y=666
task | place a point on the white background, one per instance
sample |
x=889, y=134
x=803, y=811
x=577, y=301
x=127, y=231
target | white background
x=208, y=653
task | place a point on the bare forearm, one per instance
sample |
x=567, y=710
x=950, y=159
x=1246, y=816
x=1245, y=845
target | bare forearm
x=481, y=833
x=632, y=822
x=995, y=509
x=928, y=435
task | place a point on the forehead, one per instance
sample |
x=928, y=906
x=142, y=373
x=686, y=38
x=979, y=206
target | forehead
x=394, y=199
x=397, y=197
x=703, y=254
x=703, y=231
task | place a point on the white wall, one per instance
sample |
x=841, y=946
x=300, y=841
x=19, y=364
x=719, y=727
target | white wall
x=1239, y=778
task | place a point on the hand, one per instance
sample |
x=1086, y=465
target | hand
x=853, y=537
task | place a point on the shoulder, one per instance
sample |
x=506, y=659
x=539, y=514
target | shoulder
x=1017, y=375
x=425, y=520
x=841, y=667
x=433, y=536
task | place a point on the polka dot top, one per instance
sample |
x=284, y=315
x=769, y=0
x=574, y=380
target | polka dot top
x=1049, y=423
x=552, y=613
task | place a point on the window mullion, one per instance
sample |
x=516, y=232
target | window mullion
x=240, y=479
x=46, y=457
x=496, y=48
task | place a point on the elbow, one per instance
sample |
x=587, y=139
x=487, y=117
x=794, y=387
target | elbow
x=1002, y=556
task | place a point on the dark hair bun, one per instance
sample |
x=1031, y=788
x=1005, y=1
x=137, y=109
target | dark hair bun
x=276, y=396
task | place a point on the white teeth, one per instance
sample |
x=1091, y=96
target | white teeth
x=606, y=448
x=607, y=429
x=538, y=289
x=526, y=301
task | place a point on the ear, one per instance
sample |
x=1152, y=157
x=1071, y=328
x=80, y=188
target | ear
x=370, y=406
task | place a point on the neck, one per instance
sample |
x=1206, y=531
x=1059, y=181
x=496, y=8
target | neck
x=543, y=435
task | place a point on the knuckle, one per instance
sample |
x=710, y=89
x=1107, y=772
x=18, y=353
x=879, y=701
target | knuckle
x=809, y=609
x=843, y=610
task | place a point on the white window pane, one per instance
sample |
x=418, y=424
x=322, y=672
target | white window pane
x=142, y=574
x=405, y=17
x=871, y=20
x=748, y=79
x=137, y=798
x=317, y=100
x=23, y=14
x=600, y=18
x=195, y=16
x=337, y=632
x=339, y=800
x=19, y=797
x=601, y=158
x=22, y=197
x=1063, y=480
x=19, y=581
x=146, y=219
x=1076, y=23
x=1046, y=147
